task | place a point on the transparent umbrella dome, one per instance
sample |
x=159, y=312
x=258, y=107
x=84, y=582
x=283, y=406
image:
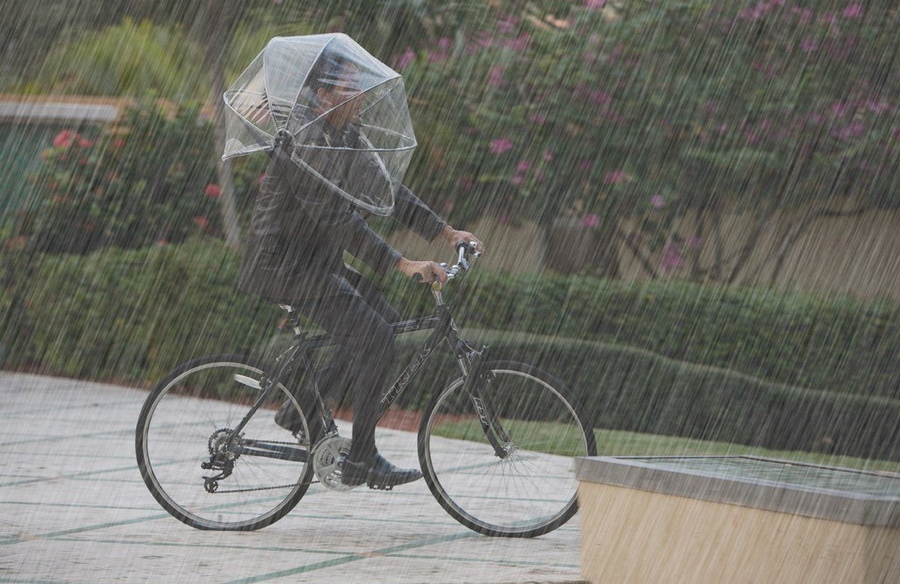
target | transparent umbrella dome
x=340, y=111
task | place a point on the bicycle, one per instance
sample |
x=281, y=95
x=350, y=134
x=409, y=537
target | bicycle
x=495, y=445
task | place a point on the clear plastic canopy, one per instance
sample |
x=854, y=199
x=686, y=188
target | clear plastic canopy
x=342, y=113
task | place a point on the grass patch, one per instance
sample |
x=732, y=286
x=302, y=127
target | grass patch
x=622, y=443
x=549, y=437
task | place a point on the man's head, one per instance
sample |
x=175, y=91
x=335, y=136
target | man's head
x=334, y=81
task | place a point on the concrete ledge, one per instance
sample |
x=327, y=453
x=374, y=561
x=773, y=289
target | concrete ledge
x=60, y=108
x=736, y=519
x=836, y=494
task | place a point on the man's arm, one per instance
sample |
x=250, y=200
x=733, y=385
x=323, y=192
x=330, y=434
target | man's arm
x=415, y=215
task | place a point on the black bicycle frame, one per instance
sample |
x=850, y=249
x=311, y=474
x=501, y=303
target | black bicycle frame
x=444, y=328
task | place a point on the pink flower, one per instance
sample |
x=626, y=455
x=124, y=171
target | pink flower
x=853, y=11
x=851, y=131
x=405, y=59
x=600, y=97
x=538, y=118
x=495, y=79
x=615, y=177
x=594, y=4
x=520, y=43
x=501, y=145
x=672, y=258
x=201, y=222
x=657, y=201
x=809, y=45
x=878, y=107
x=213, y=190
x=508, y=24
x=590, y=220
x=523, y=165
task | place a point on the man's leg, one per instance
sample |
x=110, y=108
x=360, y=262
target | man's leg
x=364, y=353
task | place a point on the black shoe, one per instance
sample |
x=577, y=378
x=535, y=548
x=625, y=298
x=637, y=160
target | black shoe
x=287, y=418
x=378, y=474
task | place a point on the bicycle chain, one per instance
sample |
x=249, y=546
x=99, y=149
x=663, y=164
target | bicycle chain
x=259, y=489
x=216, y=492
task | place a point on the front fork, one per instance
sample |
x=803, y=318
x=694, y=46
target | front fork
x=477, y=382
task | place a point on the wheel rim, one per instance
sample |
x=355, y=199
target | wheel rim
x=532, y=490
x=191, y=415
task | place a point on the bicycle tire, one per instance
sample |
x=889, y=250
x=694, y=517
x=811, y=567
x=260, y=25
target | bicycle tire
x=187, y=416
x=532, y=490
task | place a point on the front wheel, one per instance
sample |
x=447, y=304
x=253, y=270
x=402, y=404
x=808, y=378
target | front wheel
x=498, y=457
x=201, y=466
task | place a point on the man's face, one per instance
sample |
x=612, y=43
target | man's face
x=347, y=96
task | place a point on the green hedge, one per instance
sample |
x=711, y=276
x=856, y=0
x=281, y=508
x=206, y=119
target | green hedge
x=129, y=315
x=631, y=389
x=841, y=345
x=132, y=315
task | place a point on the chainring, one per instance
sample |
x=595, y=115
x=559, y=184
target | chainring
x=327, y=457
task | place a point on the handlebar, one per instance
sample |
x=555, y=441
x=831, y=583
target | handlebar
x=463, y=249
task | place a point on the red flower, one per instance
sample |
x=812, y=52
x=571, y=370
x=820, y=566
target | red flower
x=213, y=190
x=201, y=222
x=64, y=139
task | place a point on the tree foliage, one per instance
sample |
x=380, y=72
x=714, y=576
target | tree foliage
x=625, y=117
x=147, y=180
x=658, y=111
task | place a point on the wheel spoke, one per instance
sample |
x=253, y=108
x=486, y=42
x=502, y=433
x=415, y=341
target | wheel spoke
x=188, y=420
x=531, y=491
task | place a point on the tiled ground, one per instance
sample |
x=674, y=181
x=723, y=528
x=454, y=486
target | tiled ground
x=73, y=509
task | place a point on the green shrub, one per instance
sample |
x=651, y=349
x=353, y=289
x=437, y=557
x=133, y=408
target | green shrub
x=146, y=180
x=131, y=315
x=639, y=391
x=842, y=345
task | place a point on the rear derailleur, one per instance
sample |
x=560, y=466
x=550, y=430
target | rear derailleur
x=221, y=458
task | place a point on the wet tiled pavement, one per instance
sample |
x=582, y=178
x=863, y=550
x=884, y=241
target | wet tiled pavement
x=73, y=509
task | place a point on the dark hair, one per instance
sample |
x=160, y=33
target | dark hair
x=327, y=67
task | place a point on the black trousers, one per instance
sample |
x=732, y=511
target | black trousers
x=361, y=325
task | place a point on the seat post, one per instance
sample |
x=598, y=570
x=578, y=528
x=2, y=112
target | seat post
x=293, y=319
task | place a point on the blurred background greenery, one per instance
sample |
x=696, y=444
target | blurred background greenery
x=683, y=150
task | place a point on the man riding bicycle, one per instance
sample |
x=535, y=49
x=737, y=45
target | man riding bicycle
x=299, y=233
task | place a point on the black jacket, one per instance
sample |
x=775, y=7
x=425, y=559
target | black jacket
x=300, y=230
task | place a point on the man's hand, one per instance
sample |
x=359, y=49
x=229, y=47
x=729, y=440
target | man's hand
x=453, y=237
x=428, y=271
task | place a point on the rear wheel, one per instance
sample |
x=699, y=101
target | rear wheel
x=201, y=471
x=518, y=478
